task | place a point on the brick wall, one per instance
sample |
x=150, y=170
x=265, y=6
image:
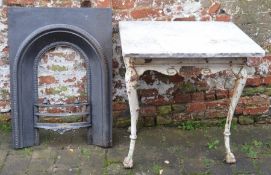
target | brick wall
x=163, y=99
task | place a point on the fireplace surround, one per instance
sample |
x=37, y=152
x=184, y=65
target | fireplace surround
x=33, y=32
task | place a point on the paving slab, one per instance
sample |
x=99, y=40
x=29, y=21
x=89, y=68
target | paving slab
x=160, y=150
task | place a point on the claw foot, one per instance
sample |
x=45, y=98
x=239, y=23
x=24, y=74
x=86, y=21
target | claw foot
x=128, y=162
x=230, y=158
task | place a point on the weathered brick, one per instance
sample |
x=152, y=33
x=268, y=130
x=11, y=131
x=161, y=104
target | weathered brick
x=144, y=2
x=220, y=94
x=182, y=98
x=47, y=79
x=164, y=110
x=196, y=107
x=148, y=121
x=20, y=2
x=218, y=104
x=119, y=106
x=148, y=111
x=103, y=3
x=181, y=117
x=198, y=96
x=214, y=8
x=215, y=113
x=210, y=95
x=157, y=101
x=163, y=120
x=123, y=4
x=256, y=111
x=178, y=108
x=255, y=81
x=190, y=18
x=266, y=80
x=146, y=13
x=223, y=17
x=245, y=120
x=206, y=18
x=147, y=92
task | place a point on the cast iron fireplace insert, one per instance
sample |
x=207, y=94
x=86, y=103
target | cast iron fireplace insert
x=34, y=31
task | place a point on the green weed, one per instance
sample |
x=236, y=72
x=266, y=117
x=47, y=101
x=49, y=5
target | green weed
x=213, y=144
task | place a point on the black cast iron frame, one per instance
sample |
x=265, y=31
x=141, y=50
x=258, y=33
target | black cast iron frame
x=92, y=40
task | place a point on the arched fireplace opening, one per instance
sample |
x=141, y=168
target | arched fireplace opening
x=61, y=88
x=27, y=49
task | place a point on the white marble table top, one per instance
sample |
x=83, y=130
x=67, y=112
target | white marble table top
x=161, y=39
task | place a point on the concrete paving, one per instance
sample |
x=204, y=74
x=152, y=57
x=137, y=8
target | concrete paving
x=160, y=150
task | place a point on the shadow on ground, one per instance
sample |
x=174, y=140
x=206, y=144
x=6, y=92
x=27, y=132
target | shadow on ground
x=166, y=151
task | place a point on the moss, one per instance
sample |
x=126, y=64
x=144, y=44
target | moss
x=57, y=90
x=164, y=110
x=178, y=108
x=268, y=91
x=122, y=122
x=5, y=127
x=4, y=94
x=163, y=120
x=4, y=118
x=246, y=120
x=58, y=68
x=252, y=91
x=187, y=87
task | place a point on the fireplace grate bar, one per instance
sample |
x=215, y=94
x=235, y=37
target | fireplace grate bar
x=62, y=114
x=62, y=105
x=62, y=127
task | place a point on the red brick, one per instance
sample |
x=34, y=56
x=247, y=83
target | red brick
x=181, y=117
x=206, y=18
x=210, y=95
x=103, y=3
x=190, y=18
x=146, y=13
x=197, y=96
x=115, y=64
x=182, y=98
x=55, y=110
x=147, y=92
x=214, y=8
x=47, y=79
x=220, y=94
x=196, y=107
x=20, y=2
x=267, y=57
x=119, y=106
x=148, y=111
x=255, y=81
x=254, y=61
x=149, y=79
x=123, y=4
x=70, y=80
x=223, y=17
x=158, y=101
x=175, y=78
x=119, y=16
x=211, y=113
x=4, y=103
x=218, y=104
x=266, y=80
x=144, y=3
x=256, y=111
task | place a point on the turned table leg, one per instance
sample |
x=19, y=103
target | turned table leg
x=131, y=80
x=239, y=86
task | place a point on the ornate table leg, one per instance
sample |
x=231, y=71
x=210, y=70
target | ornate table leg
x=131, y=79
x=239, y=86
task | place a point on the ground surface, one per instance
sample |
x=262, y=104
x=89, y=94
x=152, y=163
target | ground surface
x=168, y=151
